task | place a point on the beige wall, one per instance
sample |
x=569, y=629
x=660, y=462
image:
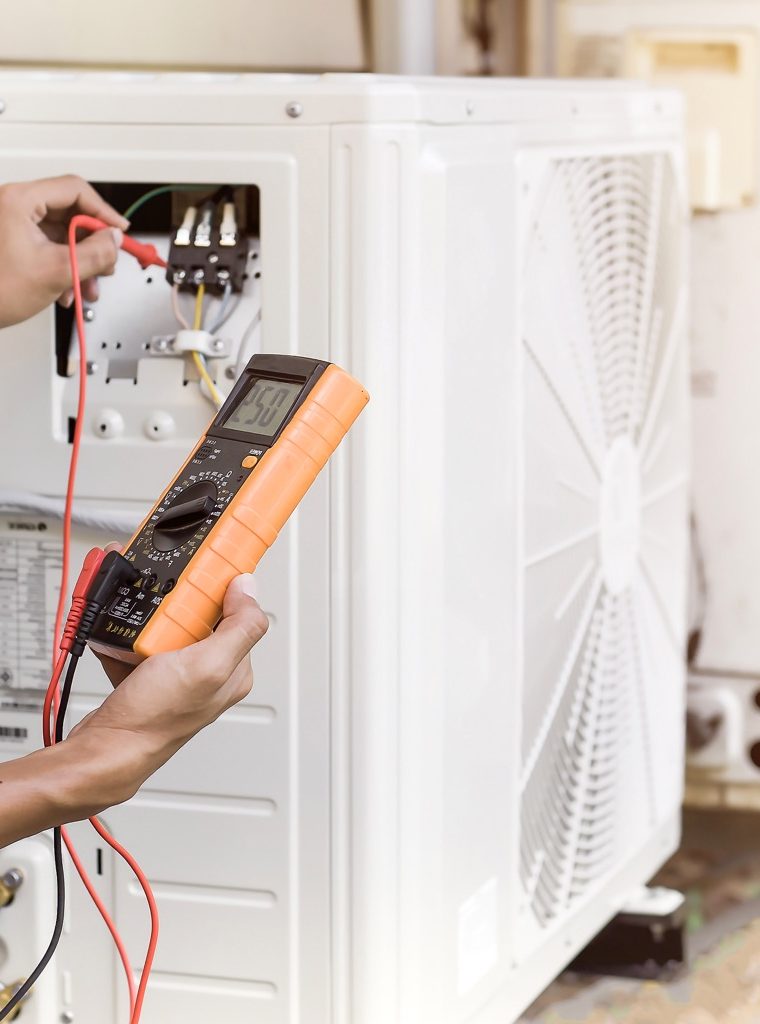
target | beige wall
x=258, y=34
x=412, y=36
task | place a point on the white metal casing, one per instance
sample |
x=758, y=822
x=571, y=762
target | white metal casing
x=345, y=847
x=725, y=362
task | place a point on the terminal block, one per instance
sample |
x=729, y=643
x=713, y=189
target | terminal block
x=208, y=253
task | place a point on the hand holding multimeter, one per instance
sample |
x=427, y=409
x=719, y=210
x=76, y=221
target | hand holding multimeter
x=284, y=418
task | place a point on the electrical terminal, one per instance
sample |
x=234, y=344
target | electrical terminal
x=185, y=230
x=203, y=231
x=228, y=228
x=210, y=248
x=10, y=883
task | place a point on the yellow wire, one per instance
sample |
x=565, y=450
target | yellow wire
x=198, y=320
x=199, y=363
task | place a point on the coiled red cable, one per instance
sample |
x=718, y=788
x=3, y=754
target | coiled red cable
x=146, y=256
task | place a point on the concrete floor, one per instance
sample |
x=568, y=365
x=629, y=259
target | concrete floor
x=718, y=868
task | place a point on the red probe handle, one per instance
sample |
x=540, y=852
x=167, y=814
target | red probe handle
x=145, y=254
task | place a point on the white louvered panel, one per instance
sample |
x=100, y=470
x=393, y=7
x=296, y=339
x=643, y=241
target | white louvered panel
x=604, y=511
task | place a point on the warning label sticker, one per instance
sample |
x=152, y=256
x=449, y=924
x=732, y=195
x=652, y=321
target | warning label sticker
x=30, y=572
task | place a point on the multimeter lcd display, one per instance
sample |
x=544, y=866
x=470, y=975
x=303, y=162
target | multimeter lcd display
x=263, y=407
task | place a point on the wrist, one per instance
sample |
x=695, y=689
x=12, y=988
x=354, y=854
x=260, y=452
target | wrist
x=114, y=761
x=93, y=774
x=70, y=781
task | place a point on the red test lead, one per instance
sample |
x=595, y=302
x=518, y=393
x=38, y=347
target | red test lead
x=145, y=254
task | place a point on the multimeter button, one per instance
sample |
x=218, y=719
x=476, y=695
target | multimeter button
x=249, y=461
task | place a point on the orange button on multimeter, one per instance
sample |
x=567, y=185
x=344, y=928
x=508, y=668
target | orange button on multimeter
x=213, y=522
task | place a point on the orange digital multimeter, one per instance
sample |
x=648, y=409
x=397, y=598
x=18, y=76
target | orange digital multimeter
x=283, y=419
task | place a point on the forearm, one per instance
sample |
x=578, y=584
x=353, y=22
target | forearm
x=68, y=782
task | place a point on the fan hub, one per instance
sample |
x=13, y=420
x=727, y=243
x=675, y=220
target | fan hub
x=620, y=515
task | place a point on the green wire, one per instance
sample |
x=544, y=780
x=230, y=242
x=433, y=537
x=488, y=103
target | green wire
x=160, y=191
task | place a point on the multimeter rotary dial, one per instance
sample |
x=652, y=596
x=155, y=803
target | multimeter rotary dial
x=187, y=513
x=189, y=510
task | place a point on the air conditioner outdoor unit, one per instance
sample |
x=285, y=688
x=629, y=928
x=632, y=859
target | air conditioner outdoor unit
x=708, y=50
x=464, y=748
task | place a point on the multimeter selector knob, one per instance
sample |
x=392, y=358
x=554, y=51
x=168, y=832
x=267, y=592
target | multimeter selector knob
x=189, y=510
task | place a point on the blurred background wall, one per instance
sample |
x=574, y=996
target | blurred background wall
x=394, y=36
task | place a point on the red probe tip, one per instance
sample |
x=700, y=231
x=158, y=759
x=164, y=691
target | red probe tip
x=145, y=254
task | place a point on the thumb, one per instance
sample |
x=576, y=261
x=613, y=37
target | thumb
x=240, y=597
x=97, y=254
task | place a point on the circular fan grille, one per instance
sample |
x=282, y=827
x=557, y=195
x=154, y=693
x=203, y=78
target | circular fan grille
x=605, y=523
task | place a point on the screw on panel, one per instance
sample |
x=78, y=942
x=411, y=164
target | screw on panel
x=179, y=276
x=229, y=373
x=89, y=314
x=294, y=109
x=162, y=344
x=67, y=1017
x=213, y=257
x=217, y=345
x=92, y=368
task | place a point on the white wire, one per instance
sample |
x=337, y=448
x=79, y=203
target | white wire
x=181, y=319
x=111, y=521
x=226, y=309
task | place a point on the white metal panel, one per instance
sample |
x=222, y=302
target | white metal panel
x=26, y=924
x=361, y=808
x=290, y=172
x=172, y=100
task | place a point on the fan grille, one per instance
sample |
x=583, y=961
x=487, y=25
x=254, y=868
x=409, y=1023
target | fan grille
x=605, y=522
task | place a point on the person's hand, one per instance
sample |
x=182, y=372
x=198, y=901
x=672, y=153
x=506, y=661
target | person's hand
x=158, y=707
x=163, y=702
x=34, y=257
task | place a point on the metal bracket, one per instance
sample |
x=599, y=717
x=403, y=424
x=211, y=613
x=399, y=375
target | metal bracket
x=190, y=341
x=646, y=940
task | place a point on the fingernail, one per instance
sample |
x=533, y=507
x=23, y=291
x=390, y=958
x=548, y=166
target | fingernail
x=118, y=236
x=125, y=223
x=248, y=584
x=67, y=298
